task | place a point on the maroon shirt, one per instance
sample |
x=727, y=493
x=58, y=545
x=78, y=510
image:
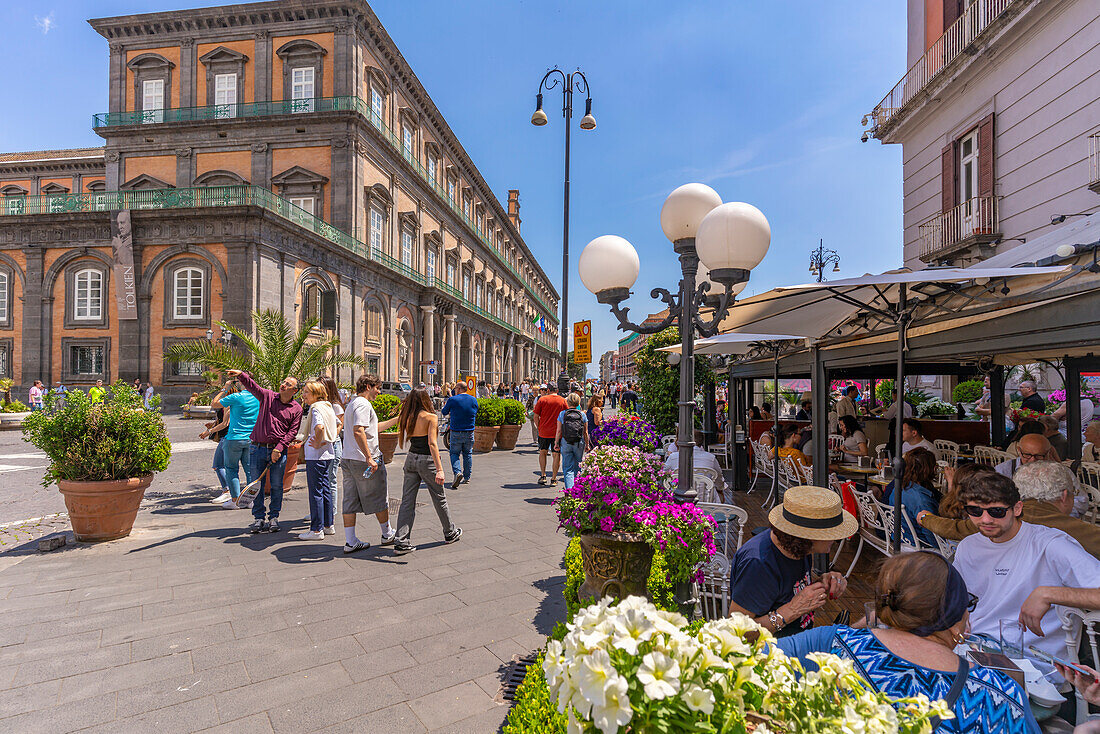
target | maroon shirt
x=277, y=422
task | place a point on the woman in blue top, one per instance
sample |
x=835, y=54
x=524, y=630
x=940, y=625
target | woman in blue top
x=243, y=409
x=925, y=606
x=917, y=495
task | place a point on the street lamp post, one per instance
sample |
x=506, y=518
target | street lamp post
x=727, y=239
x=568, y=82
x=822, y=258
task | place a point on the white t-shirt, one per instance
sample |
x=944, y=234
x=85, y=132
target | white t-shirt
x=360, y=413
x=1002, y=575
x=907, y=410
x=924, y=443
x=316, y=454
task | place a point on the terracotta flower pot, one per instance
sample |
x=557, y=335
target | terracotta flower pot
x=484, y=436
x=615, y=564
x=103, y=510
x=387, y=444
x=293, y=455
x=507, y=437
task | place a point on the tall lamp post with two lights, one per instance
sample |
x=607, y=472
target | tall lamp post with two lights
x=728, y=239
x=568, y=82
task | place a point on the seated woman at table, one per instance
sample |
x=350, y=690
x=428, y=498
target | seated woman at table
x=789, y=439
x=855, y=441
x=925, y=606
x=766, y=411
x=755, y=413
x=917, y=494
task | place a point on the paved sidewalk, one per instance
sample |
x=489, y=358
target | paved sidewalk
x=191, y=624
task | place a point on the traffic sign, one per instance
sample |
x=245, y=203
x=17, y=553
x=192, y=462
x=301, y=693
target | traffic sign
x=431, y=370
x=582, y=342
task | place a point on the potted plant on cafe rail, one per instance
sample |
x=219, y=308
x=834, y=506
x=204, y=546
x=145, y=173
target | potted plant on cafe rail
x=387, y=406
x=274, y=352
x=514, y=416
x=490, y=414
x=102, y=456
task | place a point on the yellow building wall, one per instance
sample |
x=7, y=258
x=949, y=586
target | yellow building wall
x=317, y=159
x=324, y=40
x=245, y=92
x=157, y=166
x=172, y=53
x=237, y=161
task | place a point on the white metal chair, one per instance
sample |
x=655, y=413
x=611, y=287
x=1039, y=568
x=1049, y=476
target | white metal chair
x=1076, y=623
x=731, y=523
x=714, y=590
x=875, y=518
x=880, y=448
x=988, y=455
x=948, y=451
x=667, y=441
x=946, y=547
x=706, y=489
x=1088, y=474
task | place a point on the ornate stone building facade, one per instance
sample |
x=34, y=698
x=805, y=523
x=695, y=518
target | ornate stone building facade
x=278, y=155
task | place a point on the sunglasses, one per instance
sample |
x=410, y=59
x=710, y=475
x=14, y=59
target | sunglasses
x=972, y=603
x=996, y=513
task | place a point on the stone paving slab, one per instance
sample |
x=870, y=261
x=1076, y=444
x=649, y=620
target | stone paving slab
x=191, y=624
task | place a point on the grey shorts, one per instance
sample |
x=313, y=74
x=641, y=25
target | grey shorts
x=365, y=496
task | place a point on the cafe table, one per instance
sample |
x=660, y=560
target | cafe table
x=854, y=470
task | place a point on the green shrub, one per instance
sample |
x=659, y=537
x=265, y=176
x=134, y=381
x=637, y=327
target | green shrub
x=533, y=711
x=660, y=381
x=913, y=396
x=490, y=412
x=660, y=589
x=387, y=406
x=968, y=391
x=14, y=406
x=514, y=413
x=116, y=439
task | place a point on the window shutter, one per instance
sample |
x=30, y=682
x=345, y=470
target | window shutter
x=985, y=156
x=328, y=309
x=952, y=9
x=950, y=172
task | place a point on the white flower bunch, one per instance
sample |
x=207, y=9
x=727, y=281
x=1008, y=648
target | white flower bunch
x=634, y=664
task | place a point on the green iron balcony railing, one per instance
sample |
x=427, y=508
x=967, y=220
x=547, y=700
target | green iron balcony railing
x=322, y=104
x=227, y=196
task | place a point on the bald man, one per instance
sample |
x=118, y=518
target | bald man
x=1032, y=447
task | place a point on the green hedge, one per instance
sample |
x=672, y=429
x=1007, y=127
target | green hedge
x=968, y=391
x=533, y=711
x=659, y=587
x=490, y=412
x=514, y=413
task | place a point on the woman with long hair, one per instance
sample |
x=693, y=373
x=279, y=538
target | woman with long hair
x=241, y=410
x=917, y=491
x=320, y=433
x=418, y=426
x=855, y=441
x=337, y=402
x=595, y=411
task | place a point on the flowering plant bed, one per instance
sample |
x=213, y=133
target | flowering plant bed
x=934, y=408
x=629, y=431
x=1021, y=415
x=683, y=533
x=1059, y=396
x=626, y=462
x=633, y=667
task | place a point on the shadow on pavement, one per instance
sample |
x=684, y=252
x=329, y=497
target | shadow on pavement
x=552, y=607
x=539, y=500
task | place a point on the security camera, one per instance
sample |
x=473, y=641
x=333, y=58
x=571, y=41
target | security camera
x=864, y=138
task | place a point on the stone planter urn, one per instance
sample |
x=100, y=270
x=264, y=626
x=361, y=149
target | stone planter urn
x=615, y=564
x=387, y=444
x=507, y=437
x=103, y=510
x=484, y=436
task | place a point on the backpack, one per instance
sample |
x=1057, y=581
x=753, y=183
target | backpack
x=572, y=426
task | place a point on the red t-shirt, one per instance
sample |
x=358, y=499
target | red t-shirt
x=547, y=409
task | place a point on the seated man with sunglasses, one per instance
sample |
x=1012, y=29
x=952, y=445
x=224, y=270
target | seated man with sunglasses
x=1019, y=570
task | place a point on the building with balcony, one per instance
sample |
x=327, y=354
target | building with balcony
x=998, y=118
x=625, y=369
x=277, y=155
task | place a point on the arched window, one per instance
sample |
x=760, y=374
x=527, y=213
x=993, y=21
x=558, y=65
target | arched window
x=188, y=293
x=311, y=302
x=88, y=295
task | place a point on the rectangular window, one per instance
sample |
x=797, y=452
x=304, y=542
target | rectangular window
x=407, y=139
x=302, y=89
x=466, y=206
x=406, y=248
x=466, y=286
x=5, y=361
x=3, y=297
x=451, y=274
x=431, y=170
x=377, y=230
x=89, y=296
x=86, y=360
x=188, y=293
x=489, y=301
x=451, y=190
x=152, y=100
x=305, y=203
x=429, y=263
x=374, y=325
x=185, y=369
x=480, y=303
x=377, y=106
x=968, y=167
x=15, y=204
x=372, y=365
x=225, y=95
x=480, y=223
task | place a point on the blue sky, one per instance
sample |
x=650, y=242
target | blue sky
x=761, y=101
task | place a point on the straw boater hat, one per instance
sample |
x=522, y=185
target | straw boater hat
x=813, y=513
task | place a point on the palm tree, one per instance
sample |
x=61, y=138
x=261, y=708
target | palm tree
x=274, y=354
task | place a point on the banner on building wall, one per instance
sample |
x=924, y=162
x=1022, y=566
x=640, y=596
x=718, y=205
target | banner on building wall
x=122, y=253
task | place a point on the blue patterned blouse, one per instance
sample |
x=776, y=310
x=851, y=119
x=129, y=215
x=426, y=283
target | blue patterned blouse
x=990, y=702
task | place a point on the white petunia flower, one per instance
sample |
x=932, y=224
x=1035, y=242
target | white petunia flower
x=616, y=710
x=660, y=675
x=594, y=674
x=631, y=628
x=699, y=699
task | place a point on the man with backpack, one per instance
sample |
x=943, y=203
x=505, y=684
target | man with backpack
x=548, y=408
x=571, y=439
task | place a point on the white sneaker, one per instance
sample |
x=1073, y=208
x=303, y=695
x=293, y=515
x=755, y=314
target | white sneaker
x=230, y=504
x=330, y=530
x=221, y=498
x=310, y=535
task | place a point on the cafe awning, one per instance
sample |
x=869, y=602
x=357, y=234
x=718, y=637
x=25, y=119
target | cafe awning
x=732, y=343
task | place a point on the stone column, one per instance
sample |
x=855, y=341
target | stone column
x=35, y=358
x=427, y=343
x=451, y=357
x=184, y=165
x=262, y=68
x=116, y=90
x=188, y=63
x=343, y=60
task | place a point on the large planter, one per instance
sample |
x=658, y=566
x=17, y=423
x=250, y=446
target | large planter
x=103, y=510
x=387, y=444
x=484, y=436
x=615, y=564
x=12, y=420
x=507, y=437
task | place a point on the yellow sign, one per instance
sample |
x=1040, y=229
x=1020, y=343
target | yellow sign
x=582, y=342
x=471, y=385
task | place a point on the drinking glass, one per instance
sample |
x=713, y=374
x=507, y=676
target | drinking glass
x=870, y=616
x=1012, y=638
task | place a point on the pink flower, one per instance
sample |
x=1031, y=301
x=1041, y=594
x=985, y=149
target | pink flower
x=607, y=524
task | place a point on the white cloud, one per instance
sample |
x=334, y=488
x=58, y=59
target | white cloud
x=45, y=24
